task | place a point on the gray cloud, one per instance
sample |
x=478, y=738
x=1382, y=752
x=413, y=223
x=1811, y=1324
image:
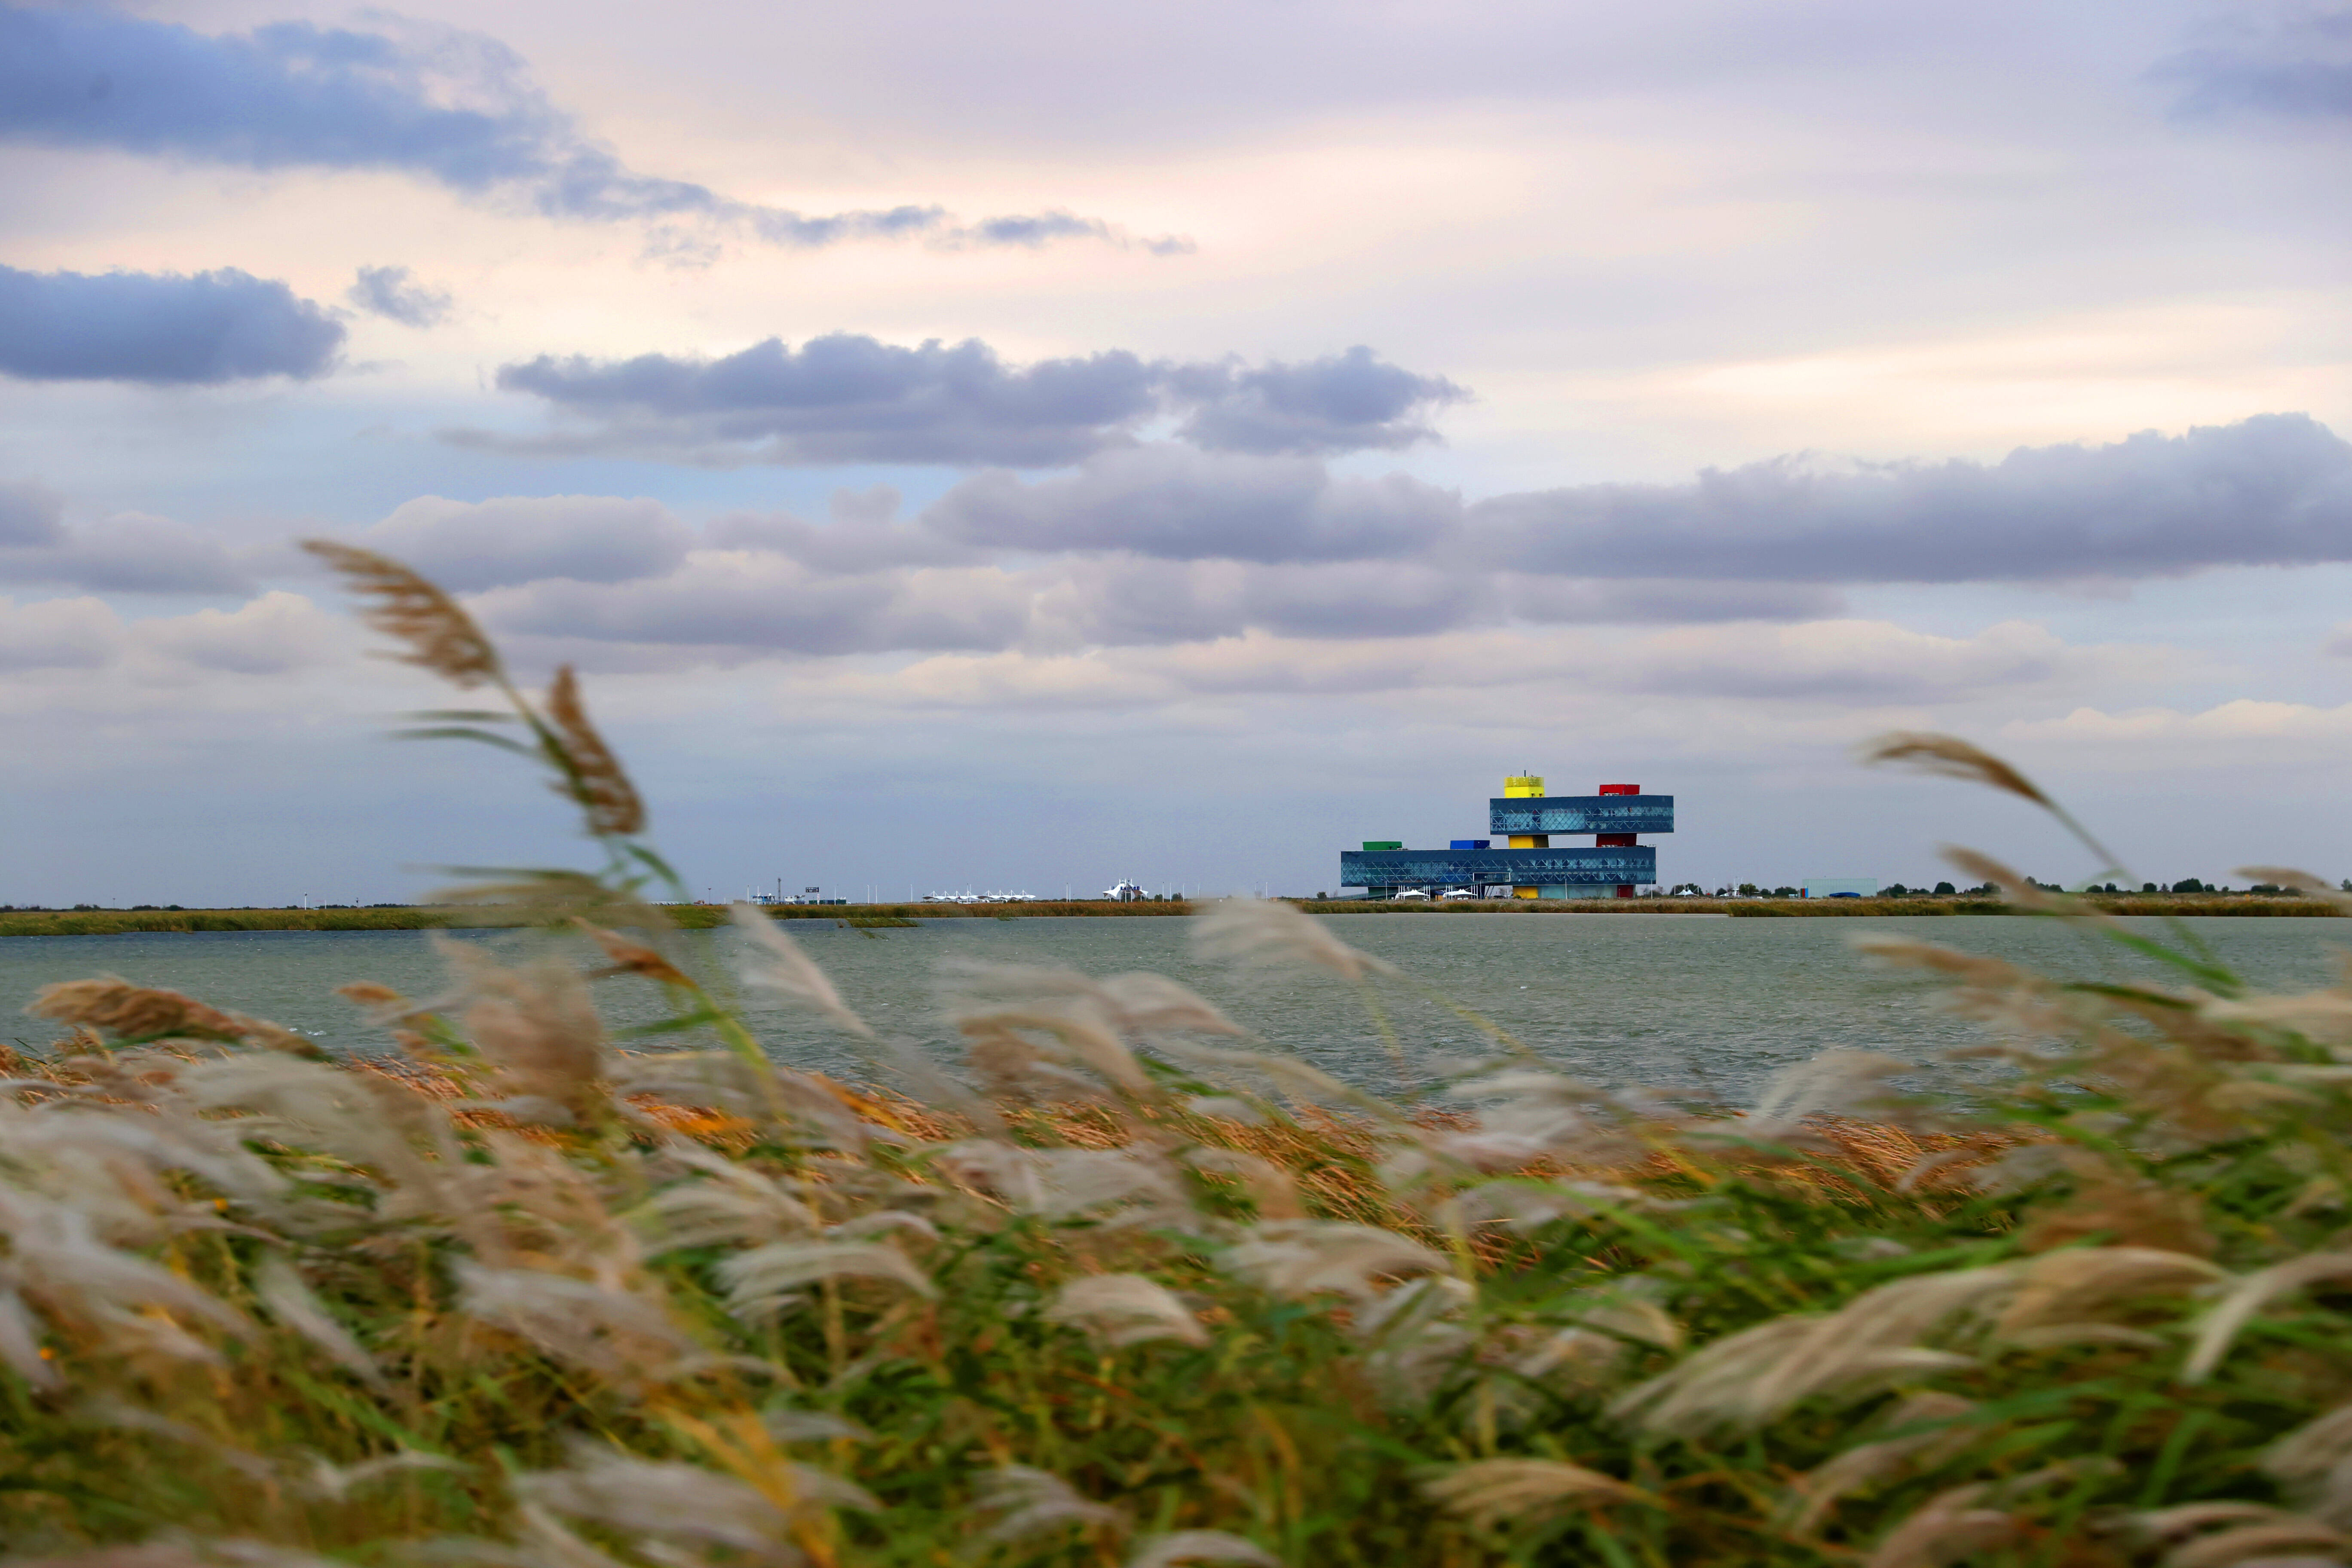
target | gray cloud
x=1129, y=601
x=2296, y=64
x=1167, y=545
x=162, y=329
x=781, y=609
x=457, y=108
x=865, y=535
x=2275, y=489
x=847, y=398
x=30, y=514
x=393, y=293
x=2271, y=490
x=130, y=553
x=1769, y=540
x=1182, y=505
x=1164, y=545
x=474, y=545
x=1589, y=601
x=126, y=553
x=1035, y=231
x=713, y=601
x=1343, y=402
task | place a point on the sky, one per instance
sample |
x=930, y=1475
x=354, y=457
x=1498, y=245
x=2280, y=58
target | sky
x=1032, y=445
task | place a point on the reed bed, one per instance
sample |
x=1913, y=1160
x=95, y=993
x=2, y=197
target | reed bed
x=1128, y=1287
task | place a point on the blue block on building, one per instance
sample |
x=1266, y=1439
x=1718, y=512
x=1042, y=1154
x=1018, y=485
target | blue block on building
x=1467, y=844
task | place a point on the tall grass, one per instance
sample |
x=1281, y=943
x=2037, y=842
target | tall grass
x=1129, y=1286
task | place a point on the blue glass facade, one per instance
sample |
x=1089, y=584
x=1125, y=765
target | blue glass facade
x=1582, y=814
x=1438, y=870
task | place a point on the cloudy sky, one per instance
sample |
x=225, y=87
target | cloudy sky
x=1036, y=444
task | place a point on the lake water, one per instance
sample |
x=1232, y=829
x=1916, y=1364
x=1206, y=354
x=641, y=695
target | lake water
x=1673, y=1001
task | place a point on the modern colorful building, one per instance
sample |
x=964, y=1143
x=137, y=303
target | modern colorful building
x=1531, y=865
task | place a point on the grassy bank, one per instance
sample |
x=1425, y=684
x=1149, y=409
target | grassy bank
x=424, y=917
x=110, y=922
x=1108, y=909
x=116, y=922
x=1830, y=909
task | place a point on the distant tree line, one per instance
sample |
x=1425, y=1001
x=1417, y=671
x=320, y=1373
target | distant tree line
x=1982, y=890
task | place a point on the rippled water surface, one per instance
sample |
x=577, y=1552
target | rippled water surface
x=1682, y=1001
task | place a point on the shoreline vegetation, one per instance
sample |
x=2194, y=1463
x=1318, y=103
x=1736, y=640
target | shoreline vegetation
x=704, y=917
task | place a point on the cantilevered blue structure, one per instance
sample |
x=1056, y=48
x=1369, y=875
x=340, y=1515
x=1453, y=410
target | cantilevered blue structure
x=1531, y=867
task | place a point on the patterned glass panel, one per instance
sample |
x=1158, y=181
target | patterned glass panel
x=1582, y=814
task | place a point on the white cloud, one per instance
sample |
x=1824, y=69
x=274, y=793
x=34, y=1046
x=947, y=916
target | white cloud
x=471, y=545
x=2233, y=734
x=1859, y=662
x=84, y=650
x=1836, y=667
x=59, y=634
x=738, y=603
x=272, y=635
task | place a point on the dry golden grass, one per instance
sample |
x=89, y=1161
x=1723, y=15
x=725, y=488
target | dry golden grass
x=1331, y=1157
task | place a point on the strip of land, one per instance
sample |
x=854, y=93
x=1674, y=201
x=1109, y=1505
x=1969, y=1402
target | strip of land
x=702, y=917
x=1812, y=909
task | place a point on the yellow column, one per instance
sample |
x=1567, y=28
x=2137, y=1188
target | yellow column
x=1526, y=786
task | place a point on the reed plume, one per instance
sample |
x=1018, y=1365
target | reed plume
x=1948, y=756
x=135, y=1013
x=1493, y=1491
x=1267, y=931
x=591, y=774
x=1022, y=1502
x=1126, y=1310
x=1200, y=1546
x=408, y=608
